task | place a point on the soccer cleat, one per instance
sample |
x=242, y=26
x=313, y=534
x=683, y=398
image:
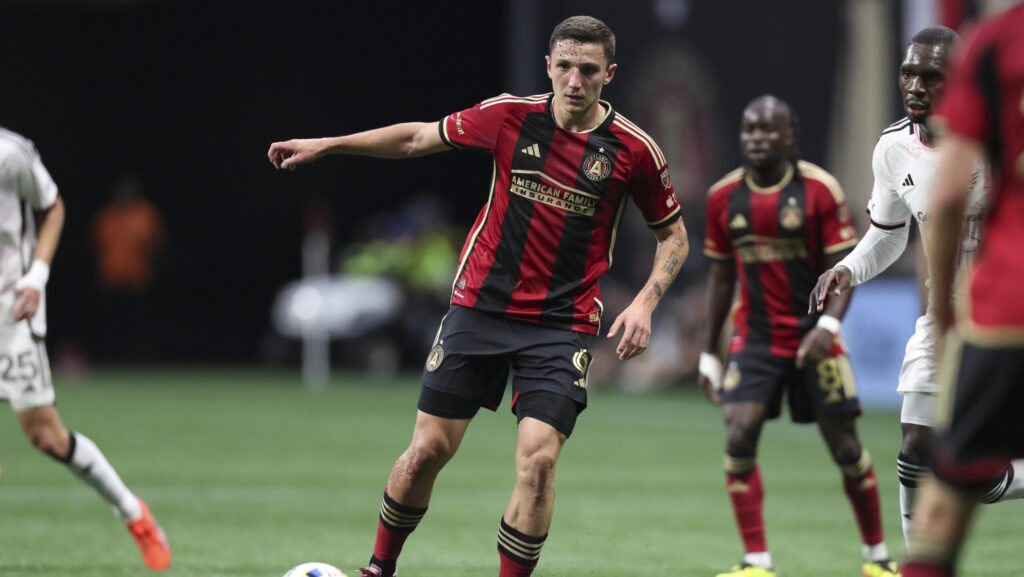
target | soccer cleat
x=747, y=570
x=885, y=568
x=151, y=539
x=372, y=570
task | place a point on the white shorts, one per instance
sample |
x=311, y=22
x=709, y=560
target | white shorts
x=918, y=409
x=920, y=371
x=25, y=379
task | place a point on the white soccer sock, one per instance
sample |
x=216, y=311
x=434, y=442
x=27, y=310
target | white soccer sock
x=907, y=497
x=762, y=559
x=875, y=553
x=87, y=462
x=1016, y=488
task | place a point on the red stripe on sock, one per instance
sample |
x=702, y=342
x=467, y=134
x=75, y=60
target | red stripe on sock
x=747, y=495
x=510, y=568
x=919, y=569
x=389, y=543
x=863, y=495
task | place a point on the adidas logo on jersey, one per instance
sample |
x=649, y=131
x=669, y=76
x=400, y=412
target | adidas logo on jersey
x=908, y=181
x=532, y=150
x=738, y=221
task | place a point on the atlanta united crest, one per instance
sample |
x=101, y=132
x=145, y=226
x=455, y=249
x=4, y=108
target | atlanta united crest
x=597, y=167
x=791, y=217
x=435, y=358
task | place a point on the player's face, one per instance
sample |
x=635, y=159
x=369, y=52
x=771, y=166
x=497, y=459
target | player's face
x=921, y=76
x=578, y=72
x=766, y=135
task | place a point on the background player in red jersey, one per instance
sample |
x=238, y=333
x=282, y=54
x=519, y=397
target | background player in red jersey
x=979, y=428
x=776, y=224
x=525, y=298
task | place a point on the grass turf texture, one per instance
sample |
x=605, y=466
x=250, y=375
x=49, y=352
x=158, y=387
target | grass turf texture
x=250, y=474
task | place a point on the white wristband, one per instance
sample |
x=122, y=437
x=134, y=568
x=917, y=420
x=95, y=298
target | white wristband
x=711, y=368
x=36, y=276
x=829, y=323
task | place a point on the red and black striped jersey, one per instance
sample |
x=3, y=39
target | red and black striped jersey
x=778, y=238
x=556, y=197
x=984, y=101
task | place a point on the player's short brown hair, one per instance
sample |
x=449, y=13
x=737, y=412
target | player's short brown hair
x=585, y=29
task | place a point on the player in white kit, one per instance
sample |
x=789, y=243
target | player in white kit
x=26, y=249
x=904, y=166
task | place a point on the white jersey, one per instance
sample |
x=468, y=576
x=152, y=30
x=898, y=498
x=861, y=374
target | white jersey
x=25, y=187
x=905, y=170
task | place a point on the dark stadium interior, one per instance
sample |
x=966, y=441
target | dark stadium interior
x=189, y=94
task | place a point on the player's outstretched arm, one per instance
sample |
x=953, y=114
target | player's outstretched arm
x=407, y=140
x=720, y=287
x=635, y=321
x=877, y=251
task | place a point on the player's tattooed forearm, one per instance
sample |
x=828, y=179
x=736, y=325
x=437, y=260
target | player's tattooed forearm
x=671, y=266
x=657, y=289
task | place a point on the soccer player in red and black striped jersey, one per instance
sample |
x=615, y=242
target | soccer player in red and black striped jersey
x=526, y=299
x=774, y=225
x=979, y=428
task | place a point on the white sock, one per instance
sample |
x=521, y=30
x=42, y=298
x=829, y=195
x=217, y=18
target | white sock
x=762, y=559
x=907, y=497
x=875, y=553
x=87, y=462
x=1016, y=488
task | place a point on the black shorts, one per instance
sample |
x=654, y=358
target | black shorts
x=979, y=425
x=475, y=353
x=824, y=390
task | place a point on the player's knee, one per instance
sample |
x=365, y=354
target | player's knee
x=536, y=471
x=740, y=442
x=846, y=450
x=915, y=444
x=427, y=453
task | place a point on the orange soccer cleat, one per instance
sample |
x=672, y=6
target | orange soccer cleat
x=152, y=542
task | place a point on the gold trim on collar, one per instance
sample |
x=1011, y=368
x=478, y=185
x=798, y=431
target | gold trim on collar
x=773, y=188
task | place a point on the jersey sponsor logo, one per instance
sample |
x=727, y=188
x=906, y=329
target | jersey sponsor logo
x=435, y=358
x=597, y=167
x=738, y=221
x=532, y=150
x=458, y=124
x=671, y=201
x=571, y=200
x=791, y=217
x=761, y=249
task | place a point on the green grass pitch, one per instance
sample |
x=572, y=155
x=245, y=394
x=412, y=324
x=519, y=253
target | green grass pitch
x=250, y=474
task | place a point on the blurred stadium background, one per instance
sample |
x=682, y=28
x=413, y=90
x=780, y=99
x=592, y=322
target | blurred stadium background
x=191, y=378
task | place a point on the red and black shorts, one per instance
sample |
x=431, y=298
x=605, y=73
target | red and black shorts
x=474, y=354
x=826, y=389
x=980, y=426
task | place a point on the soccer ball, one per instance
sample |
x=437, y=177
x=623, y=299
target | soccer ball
x=314, y=569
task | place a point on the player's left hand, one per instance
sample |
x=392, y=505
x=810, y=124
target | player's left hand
x=27, y=304
x=814, y=347
x=635, y=323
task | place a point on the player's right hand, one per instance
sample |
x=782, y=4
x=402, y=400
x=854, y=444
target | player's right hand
x=292, y=153
x=836, y=279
